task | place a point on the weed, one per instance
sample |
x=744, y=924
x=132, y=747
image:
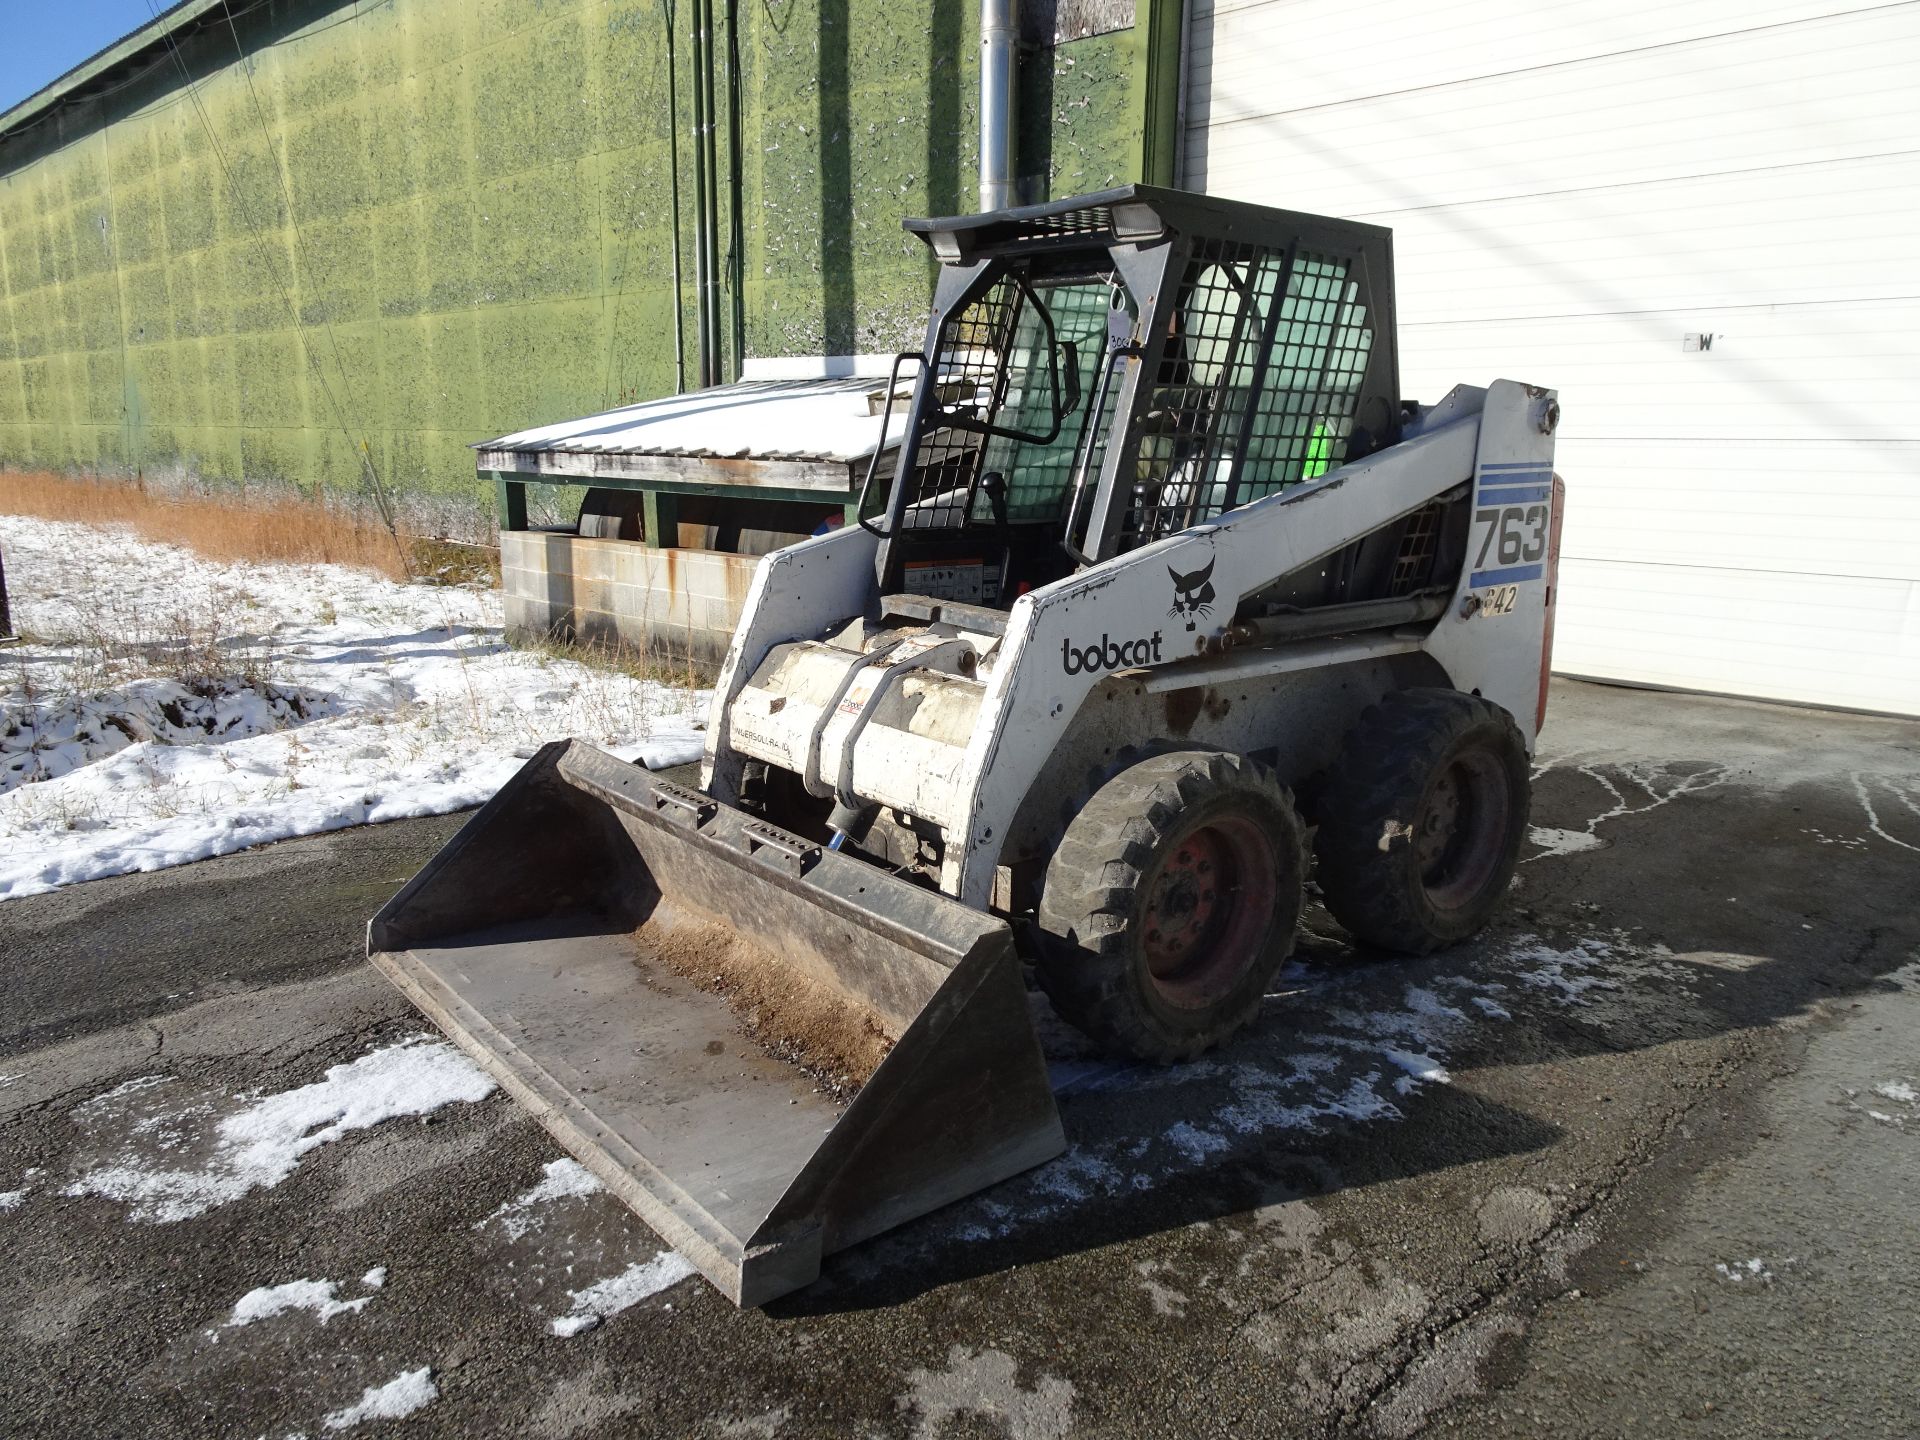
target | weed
x=454, y=562
x=620, y=657
x=237, y=528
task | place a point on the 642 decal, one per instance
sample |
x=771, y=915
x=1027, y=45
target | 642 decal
x=1500, y=600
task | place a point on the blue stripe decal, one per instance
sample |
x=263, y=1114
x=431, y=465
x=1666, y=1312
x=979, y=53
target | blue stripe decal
x=1513, y=494
x=1512, y=575
x=1518, y=465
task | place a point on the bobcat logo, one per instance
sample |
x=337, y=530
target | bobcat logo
x=1192, y=593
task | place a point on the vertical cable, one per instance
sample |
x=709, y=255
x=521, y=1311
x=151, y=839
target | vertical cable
x=702, y=276
x=736, y=205
x=709, y=157
x=673, y=192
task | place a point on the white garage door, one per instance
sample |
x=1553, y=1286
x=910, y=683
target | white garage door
x=1579, y=192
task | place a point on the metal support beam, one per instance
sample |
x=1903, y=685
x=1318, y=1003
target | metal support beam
x=1162, y=36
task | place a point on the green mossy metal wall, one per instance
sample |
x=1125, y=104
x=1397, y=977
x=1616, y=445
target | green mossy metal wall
x=483, y=224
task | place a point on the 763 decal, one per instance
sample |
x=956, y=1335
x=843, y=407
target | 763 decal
x=1511, y=544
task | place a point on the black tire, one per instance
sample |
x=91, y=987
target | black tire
x=1421, y=820
x=1151, y=846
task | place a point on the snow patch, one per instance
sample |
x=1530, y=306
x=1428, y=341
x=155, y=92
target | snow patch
x=349, y=699
x=313, y=1295
x=260, y=1145
x=124, y=1089
x=1661, y=783
x=1753, y=1271
x=1873, y=816
x=986, y=1384
x=1261, y=1109
x=407, y=1392
x=1419, y=1067
x=12, y=1199
x=1564, y=842
x=375, y=1278
x=1897, y=1090
x=1845, y=842
x=1080, y=1174
x=1356, y=1069
x=609, y=1297
x=1567, y=975
x=562, y=1180
x=1424, y=1002
x=1195, y=1144
x=45, y=738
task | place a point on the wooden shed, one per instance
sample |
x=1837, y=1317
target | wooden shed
x=682, y=497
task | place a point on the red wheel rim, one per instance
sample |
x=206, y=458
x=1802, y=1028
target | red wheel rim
x=1209, y=903
x=1461, y=828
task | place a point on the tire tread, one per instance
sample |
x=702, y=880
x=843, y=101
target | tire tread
x=1086, y=941
x=1380, y=776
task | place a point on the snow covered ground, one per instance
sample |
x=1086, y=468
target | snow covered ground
x=170, y=708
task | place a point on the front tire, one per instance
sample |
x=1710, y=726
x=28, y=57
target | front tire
x=1421, y=820
x=1172, y=900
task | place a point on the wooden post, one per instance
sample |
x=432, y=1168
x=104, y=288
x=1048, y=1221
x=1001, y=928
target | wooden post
x=661, y=509
x=6, y=613
x=511, y=498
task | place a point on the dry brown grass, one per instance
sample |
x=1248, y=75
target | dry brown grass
x=622, y=657
x=240, y=529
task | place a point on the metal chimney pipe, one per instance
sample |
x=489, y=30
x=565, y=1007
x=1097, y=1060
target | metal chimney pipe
x=998, y=39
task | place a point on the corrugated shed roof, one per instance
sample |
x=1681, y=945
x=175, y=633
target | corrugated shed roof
x=750, y=420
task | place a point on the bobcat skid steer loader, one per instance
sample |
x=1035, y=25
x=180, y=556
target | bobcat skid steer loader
x=1170, y=591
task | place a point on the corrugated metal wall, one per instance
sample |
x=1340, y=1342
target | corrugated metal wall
x=1577, y=189
x=422, y=223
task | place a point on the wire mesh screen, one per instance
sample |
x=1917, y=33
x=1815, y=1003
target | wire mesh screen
x=1413, y=563
x=970, y=367
x=1321, y=345
x=1203, y=381
x=1255, y=389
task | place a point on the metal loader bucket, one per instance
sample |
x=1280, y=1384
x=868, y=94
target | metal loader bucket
x=691, y=1001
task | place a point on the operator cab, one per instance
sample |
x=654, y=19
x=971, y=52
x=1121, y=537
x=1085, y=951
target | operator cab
x=1104, y=372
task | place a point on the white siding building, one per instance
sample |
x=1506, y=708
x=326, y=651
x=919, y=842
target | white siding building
x=1700, y=222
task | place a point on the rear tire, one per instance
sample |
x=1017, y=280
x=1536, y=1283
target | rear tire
x=1421, y=820
x=1170, y=903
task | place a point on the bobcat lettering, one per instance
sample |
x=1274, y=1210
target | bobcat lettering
x=1109, y=654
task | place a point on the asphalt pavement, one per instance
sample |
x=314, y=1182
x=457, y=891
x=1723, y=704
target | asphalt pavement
x=1639, y=1161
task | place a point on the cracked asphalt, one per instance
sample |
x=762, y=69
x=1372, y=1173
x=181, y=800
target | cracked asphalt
x=1636, y=1162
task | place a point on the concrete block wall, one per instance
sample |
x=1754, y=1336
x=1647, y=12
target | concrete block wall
x=381, y=233
x=675, y=605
